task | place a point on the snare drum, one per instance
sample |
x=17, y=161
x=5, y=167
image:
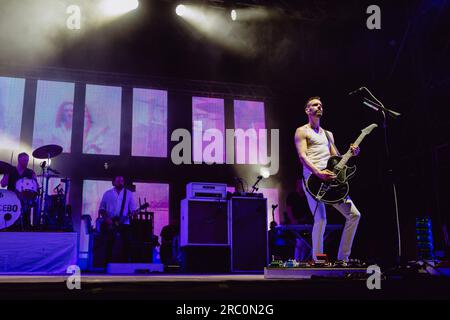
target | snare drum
x=10, y=208
x=27, y=188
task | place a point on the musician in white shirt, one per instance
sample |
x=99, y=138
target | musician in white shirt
x=314, y=149
x=116, y=220
x=111, y=203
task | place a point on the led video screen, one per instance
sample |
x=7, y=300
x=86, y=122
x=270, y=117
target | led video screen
x=249, y=116
x=149, y=123
x=53, y=117
x=11, y=106
x=208, y=114
x=102, y=118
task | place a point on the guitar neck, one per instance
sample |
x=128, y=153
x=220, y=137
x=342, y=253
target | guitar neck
x=349, y=154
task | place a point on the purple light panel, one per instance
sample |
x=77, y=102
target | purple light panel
x=149, y=123
x=102, y=120
x=249, y=115
x=11, y=106
x=54, y=114
x=210, y=113
x=157, y=195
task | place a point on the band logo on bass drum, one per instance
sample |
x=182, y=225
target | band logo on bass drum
x=9, y=208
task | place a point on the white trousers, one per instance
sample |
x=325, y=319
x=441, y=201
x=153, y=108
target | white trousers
x=352, y=216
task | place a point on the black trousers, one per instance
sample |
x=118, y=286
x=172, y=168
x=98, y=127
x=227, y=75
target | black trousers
x=113, y=235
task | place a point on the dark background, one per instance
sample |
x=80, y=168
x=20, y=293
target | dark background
x=313, y=48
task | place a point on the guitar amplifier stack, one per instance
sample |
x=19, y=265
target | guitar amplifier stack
x=220, y=235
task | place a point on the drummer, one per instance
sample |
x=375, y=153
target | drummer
x=19, y=172
x=10, y=180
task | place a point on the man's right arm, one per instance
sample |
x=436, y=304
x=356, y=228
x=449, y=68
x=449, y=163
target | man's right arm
x=302, y=146
x=102, y=209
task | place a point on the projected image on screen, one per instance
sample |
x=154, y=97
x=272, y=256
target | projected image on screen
x=11, y=106
x=92, y=196
x=207, y=113
x=249, y=115
x=157, y=195
x=54, y=114
x=102, y=120
x=149, y=123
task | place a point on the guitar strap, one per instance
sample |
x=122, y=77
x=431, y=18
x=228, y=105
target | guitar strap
x=123, y=202
x=303, y=178
x=331, y=142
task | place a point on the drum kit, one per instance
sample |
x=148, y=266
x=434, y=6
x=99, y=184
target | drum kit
x=31, y=202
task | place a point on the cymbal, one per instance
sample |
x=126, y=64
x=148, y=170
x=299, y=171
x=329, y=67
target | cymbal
x=48, y=151
x=5, y=167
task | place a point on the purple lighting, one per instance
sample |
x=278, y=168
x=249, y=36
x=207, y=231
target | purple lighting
x=250, y=115
x=54, y=114
x=11, y=106
x=207, y=113
x=149, y=123
x=102, y=116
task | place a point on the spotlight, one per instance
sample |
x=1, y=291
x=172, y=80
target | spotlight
x=117, y=7
x=180, y=10
x=233, y=15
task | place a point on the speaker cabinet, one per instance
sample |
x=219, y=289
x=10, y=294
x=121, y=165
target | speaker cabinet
x=204, y=222
x=248, y=234
x=205, y=259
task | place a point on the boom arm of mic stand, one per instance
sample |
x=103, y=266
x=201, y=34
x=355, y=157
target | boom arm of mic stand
x=378, y=107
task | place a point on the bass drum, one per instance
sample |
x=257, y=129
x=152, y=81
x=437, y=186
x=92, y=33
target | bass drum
x=10, y=208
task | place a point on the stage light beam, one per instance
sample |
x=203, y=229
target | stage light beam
x=180, y=10
x=117, y=7
x=264, y=172
x=233, y=15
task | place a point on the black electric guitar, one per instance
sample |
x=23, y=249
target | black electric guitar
x=117, y=221
x=336, y=190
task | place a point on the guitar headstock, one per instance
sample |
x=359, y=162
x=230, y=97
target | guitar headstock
x=144, y=206
x=369, y=129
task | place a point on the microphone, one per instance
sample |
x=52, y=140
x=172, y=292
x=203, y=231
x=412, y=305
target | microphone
x=274, y=206
x=356, y=91
x=43, y=164
x=57, y=187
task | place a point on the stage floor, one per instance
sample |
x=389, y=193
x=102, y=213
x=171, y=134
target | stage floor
x=220, y=287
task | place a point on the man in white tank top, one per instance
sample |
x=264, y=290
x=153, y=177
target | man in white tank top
x=314, y=149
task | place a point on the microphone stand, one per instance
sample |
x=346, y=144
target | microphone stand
x=254, y=187
x=378, y=106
